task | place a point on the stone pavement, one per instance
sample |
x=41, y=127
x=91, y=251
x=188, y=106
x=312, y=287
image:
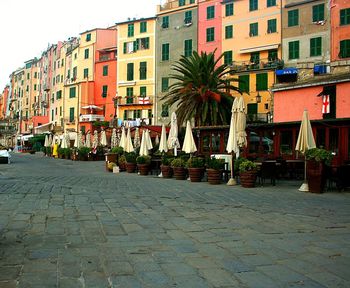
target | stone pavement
x=71, y=224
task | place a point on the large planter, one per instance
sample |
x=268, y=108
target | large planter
x=315, y=175
x=214, y=176
x=143, y=169
x=111, y=157
x=179, y=173
x=248, y=178
x=167, y=171
x=130, y=167
x=195, y=174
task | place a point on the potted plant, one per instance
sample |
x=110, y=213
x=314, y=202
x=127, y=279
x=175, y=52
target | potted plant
x=122, y=163
x=316, y=161
x=214, y=171
x=143, y=164
x=67, y=153
x=248, y=171
x=178, y=165
x=113, y=155
x=83, y=153
x=166, y=166
x=61, y=153
x=195, y=167
x=130, y=162
x=111, y=165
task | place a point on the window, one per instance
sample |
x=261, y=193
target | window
x=272, y=55
x=86, y=73
x=86, y=53
x=229, y=9
x=293, y=50
x=188, y=48
x=252, y=108
x=293, y=18
x=243, y=83
x=165, y=84
x=131, y=30
x=188, y=17
x=210, y=34
x=35, y=75
x=125, y=114
x=142, y=43
x=88, y=37
x=60, y=110
x=165, y=22
x=253, y=5
x=270, y=3
x=143, y=70
x=253, y=29
x=137, y=114
x=165, y=110
x=28, y=76
x=261, y=82
x=105, y=70
x=129, y=95
x=191, y=1
x=59, y=94
x=315, y=46
x=62, y=63
x=272, y=26
x=344, y=48
x=72, y=92
x=318, y=13
x=143, y=91
x=255, y=57
x=130, y=72
x=75, y=72
x=143, y=27
x=228, y=32
x=71, y=114
x=227, y=57
x=165, y=52
x=150, y=115
x=34, y=87
x=182, y=2
x=345, y=16
x=210, y=12
x=104, y=91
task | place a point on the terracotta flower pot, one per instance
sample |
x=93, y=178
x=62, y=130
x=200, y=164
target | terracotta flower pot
x=167, y=172
x=143, y=169
x=214, y=176
x=122, y=167
x=315, y=175
x=195, y=174
x=130, y=167
x=179, y=173
x=248, y=178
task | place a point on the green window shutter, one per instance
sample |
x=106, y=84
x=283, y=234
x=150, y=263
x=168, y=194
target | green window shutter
x=271, y=3
x=143, y=91
x=345, y=16
x=125, y=48
x=71, y=114
x=188, y=48
x=228, y=57
x=272, y=55
x=125, y=114
x=344, y=48
x=145, y=43
x=165, y=110
x=261, y=82
x=272, y=26
x=165, y=52
x=252, y=108
x=228, y=32
x=210, y=12
x=143, y=27
x=182, y=2
x=130, y=30
x=293, y=50
x=315, y=46
x=129, y=95
x=130, y=72
x=210, y=34
x=293, y=18
x=150, y=115
x=188, y=17
x=34, y=87
x=253, y=29
x=191, y=1
x=255, y=57
x=243, y=83
x=253, y=5
x=105, y=70
x=86, y=73
x=104, y=91
x=318, y=13
x=165, y=84
x=229, y=9
x=75, y=72
x=72, y=91
x=143, y=70
x=165, y=22
x=88, y=37
x=86, y=53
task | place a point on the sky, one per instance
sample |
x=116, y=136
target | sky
x=27, y=27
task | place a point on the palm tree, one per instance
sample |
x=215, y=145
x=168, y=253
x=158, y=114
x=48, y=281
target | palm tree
x=201, y=90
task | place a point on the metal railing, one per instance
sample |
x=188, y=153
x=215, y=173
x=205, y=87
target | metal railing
x=258, y=118
x=241, y=66
x=134, y=100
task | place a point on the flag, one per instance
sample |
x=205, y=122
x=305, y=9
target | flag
x=144, y=100
x=325, y=104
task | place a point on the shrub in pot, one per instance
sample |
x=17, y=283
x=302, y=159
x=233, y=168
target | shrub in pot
x=83, y=153
x=130, y=162
x=248, y=171
x=67, y=153
x=61, y=153
x=195, y=166
x=165, y=167
x=214, y=170
x=111, y=165
x=122, y=163
x=143, y=164
x=178, y=165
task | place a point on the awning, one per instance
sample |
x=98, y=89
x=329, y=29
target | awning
x=259, y=48
x=26, y=137
x=43, y=128
x=287, y=71
x=92, y=107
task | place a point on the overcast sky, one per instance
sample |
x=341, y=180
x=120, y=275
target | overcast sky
x=28, y=26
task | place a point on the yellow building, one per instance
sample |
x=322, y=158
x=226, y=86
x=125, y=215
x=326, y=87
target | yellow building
x=251, y=42
x=136, y=69
x=17, y=95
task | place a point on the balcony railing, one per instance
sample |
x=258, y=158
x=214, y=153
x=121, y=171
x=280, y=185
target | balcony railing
x=241, y=66
x=133, y=100
x=258, y=118
x=91, y=118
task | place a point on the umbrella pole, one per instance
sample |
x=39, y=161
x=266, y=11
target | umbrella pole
x=232, y=181
x=305, y=186
x=161, y=174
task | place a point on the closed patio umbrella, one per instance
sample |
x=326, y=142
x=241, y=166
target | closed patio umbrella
x=128, y=143
x=189, y=146
x=64, y=142
x=88, y=139
x=114, y=142
x=122, y=142
x=241, y=124
x=163, y=147
x=50, y=141
x=95, y=140
x=78, y=140
x=137, y=138
x=149, y=141
x=143, y=147
x=173, y=141
x=103, y=138
x=46, y=143
x=305, y=142
x=156, y=141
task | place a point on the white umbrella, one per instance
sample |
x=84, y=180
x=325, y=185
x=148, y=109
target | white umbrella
x=143, y=147
x=241, y=123
x=163, y=147
x=88, y=139
x=64, y=142
x=128, y=142
x=58, y=140
x=103, y=139
x=95, y=140
x=148, y=139
x=189, y=146
x=50, y=141
x=66, y=139
x=156, y=141
x=114, y=142
x=173, y=141
x=122, y=142
x=232, y=145
x=137, y=138
x=78, y=140
x=305, y=142
x=46, y=141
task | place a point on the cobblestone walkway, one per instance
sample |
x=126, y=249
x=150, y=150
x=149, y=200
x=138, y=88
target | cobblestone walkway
x=71, y=224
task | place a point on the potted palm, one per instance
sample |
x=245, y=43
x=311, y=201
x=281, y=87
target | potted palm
x=166, y=166
x=316, y=161
x=248, y=171
x=130, y=162
x=143, y=164
x=195, y=167
x=178, y=165
x=214, y=170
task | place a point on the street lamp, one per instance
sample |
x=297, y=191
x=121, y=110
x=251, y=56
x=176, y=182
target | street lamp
x=258, y=98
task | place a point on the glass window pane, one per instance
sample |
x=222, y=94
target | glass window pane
x=286, y=142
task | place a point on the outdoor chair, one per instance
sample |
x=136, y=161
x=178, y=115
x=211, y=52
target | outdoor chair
x=268, y=171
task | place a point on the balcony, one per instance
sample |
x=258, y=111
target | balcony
x=262, y=64
x=258, y=118
x=91, y=118
x=133, y=100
